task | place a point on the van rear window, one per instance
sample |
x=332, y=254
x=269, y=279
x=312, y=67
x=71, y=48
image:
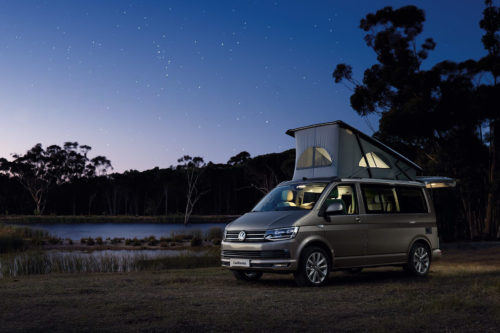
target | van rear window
x=393, y=199
x=411, y=199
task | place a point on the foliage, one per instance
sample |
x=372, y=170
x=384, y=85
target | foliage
x=436, y=116
x=13, y=239
x=39, y=169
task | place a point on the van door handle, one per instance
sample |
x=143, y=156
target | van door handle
x=320, y=225
x=358, y=219
x=413, y=222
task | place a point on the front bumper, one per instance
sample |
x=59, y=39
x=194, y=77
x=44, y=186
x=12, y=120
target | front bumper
x=263, y=256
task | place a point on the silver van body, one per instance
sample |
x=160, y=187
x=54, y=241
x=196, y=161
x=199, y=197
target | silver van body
x=349, y=224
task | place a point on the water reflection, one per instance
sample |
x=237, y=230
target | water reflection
x=124, y=230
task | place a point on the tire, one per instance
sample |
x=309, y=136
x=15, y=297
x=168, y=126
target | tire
x=314, y=267
x=247, y=275
x=419, y=260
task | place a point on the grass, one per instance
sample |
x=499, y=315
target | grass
x=78, y=219
x=462, y=294
x=13, y=238
x=37, y=262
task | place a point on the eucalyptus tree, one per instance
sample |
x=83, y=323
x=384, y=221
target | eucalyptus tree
x=436, y=114
x=39, y=169
x=193, y=167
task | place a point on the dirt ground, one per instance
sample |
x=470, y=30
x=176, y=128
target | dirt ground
x=461, y=294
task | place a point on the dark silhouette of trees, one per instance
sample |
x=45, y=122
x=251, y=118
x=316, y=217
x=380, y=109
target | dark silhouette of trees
x=239, y=159
x=489, y=95
x=435, y=116
x=39, y=169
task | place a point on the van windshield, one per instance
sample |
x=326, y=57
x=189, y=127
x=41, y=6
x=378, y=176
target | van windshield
x=291, y=197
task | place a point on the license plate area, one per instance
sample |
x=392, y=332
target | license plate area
x=239, y=262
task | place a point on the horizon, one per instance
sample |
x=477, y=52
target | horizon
x=145, y=83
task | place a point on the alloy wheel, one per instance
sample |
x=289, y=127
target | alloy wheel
x=421, y=260
x=316, y=267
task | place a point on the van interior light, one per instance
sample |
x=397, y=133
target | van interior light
x=301, y=186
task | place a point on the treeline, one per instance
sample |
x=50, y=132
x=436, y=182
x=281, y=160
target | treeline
x=232, y=188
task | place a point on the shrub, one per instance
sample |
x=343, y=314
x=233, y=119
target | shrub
x=99, y=241
x=152, y=241
x=83, y=241
x=196, y=241
x=216, y=241
x=90, y=241
x=179, y=238
x=10, y=242
x=165, y=239
x=116, y=240
x=163, y=244
x=54, y=240
x=214, y=233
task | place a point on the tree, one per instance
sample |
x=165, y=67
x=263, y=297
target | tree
x=39, y=169
x=34, y=171
x=239, y=159
x=489, y=97
x=433, y=115
x=193, y=167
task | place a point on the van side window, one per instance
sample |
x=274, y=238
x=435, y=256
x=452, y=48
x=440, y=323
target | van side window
x=411, y=199
x=344, y=194
x=380, y=199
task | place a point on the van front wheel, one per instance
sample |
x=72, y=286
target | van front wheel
x=314, y=267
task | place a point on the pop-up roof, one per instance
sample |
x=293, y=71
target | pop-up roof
x=336, y=149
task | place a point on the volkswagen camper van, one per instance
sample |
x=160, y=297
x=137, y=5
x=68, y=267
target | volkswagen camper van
x=321, y=221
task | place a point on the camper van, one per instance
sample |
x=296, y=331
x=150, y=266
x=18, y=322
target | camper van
x=353, y=203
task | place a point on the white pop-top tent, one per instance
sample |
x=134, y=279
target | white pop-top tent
x=336, y=149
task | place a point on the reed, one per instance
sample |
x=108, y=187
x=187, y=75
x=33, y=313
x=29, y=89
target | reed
x=14, y=238
x=37, y=262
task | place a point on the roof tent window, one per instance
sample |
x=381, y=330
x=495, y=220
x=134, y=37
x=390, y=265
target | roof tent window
x=374, y=161
x=314, y=157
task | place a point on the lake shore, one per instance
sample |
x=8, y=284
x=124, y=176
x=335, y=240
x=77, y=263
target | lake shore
x=461, y=294
x=99, y=219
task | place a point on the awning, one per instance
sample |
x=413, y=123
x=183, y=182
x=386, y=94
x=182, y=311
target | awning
x=437, y=181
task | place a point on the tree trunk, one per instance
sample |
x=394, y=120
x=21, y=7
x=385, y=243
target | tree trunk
x=488, y=230
x=165, y=191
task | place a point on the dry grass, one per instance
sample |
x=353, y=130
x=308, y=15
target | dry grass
x=462, y=294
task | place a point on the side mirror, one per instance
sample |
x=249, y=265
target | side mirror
x=335, y=208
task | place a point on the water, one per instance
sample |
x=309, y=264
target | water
x=125, y=230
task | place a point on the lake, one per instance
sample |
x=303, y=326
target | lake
x=125, y=230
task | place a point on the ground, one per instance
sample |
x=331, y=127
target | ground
x=461, y=294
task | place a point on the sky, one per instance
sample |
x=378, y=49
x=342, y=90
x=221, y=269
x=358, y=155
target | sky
x=146, y=82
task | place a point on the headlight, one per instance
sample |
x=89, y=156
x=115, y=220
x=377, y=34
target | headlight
x=280, y=234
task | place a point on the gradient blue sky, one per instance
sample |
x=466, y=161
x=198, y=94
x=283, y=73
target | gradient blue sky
x=145, y=82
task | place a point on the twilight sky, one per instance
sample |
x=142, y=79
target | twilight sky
x=145, y=82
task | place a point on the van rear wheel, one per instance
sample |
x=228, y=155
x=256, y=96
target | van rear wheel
x=419, y=260
x=314, y=267
x=247, y=275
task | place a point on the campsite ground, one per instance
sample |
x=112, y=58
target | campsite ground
x=461, y=294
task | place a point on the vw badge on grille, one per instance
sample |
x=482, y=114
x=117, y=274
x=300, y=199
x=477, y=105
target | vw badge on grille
x=241, y=236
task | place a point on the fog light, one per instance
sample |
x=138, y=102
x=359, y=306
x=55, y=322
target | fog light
x=280, y=265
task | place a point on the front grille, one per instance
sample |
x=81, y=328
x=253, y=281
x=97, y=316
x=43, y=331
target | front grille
x=251, y=236
x=271, y=254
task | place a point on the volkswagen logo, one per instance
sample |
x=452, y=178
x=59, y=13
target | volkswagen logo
x=241, y=236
